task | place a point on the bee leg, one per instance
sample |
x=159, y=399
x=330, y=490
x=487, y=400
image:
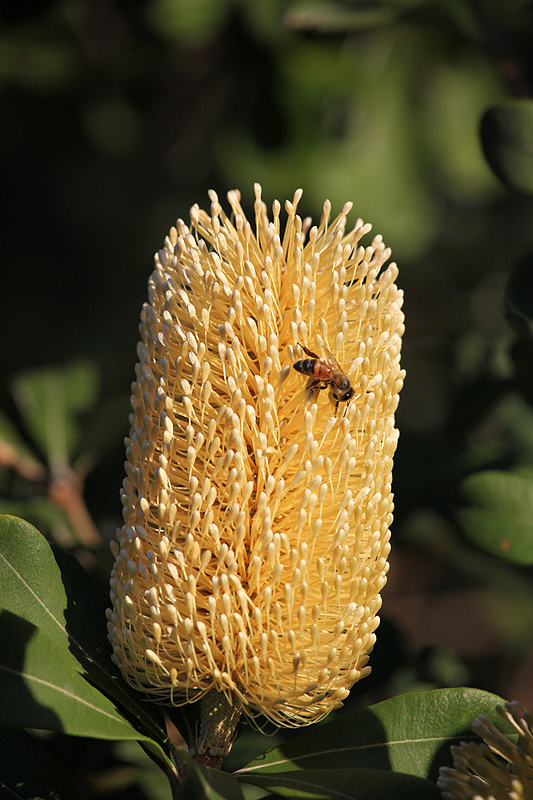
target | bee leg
x=345, y=409
x=308, y=352
x=315, y=383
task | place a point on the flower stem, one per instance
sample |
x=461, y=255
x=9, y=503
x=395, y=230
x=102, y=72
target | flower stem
x=217, y=729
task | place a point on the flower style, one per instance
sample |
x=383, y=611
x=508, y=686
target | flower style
x=497, y=769
x=256, y=515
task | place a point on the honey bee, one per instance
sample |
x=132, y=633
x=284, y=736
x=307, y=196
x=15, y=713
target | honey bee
x=325, y=373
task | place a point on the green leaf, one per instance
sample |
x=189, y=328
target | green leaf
x=41, y=687
x=89, y=626
x=498, y=514
x=202, y=783
x=53, y=658
x=51, y=402
x=358, y=784
x=220, y=784
x=28, y=772
x=507, y=138
x=91, y=600
x=410, y=734
x=137, y=768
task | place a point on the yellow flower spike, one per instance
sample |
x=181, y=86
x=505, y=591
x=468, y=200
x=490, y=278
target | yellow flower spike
x=256, y=513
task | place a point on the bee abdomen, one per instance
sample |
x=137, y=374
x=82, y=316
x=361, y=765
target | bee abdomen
x=305, y=366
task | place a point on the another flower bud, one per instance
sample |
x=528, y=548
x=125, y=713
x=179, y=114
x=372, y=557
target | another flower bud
x=496, y=769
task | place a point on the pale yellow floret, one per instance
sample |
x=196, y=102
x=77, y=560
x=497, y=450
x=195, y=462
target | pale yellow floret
x=256, y=519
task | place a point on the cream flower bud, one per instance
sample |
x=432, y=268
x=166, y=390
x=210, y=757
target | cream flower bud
x=257, y=512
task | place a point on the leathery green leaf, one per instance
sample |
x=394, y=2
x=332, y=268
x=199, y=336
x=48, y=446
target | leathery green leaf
x=349, y=784
x=411, y=734
x=53, y=663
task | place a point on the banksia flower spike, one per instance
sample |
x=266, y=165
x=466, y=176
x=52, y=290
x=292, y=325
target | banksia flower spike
x=256, y=513
x=497, y=769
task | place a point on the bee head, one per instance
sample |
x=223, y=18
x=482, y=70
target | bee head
x=344, y=392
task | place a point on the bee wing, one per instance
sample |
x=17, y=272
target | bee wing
x=331, y=357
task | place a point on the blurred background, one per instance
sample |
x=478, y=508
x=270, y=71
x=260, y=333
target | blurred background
x=115, y=117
